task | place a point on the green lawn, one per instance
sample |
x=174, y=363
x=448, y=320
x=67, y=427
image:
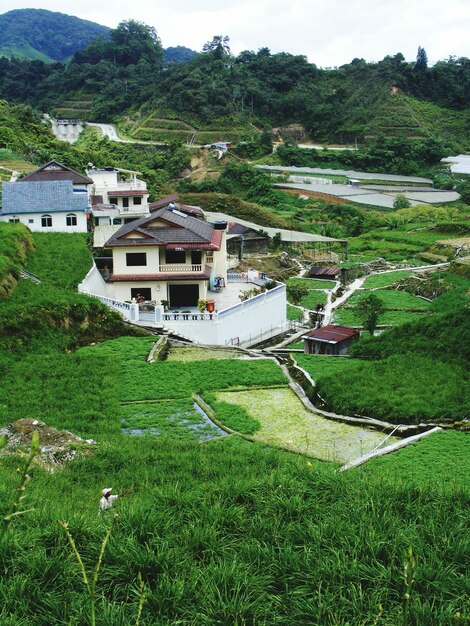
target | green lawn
x=319, y=365
x=311, y=283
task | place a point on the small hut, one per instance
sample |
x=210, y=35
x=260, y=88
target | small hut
x=333, y=340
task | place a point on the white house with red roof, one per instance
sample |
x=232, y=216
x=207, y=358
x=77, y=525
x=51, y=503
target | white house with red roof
x=167, y=255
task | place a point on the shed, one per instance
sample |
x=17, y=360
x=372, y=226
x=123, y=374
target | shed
x=331, y=339
x=319, y=271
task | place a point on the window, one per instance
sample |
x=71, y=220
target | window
x=46, y=221
x=125, y=203
x=136, y=258
x=144, y=292
x=71, y=219
x=14, y=220
x=137, y=200
x=113, y=201
x=196, y=257
x=175, y=256
x=30, y=221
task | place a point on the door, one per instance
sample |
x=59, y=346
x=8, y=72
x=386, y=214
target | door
x=183, y=295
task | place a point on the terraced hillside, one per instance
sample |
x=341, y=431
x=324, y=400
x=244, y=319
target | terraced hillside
x=79, y=107
x=402, y=116
x=160, y=126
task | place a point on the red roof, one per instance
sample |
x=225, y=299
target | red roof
x=331, y=334
x=215, y=243
x=317, y=270
x=124, y=278
x=136, y=192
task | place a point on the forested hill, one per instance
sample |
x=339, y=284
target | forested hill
x=37, y=34
x=126, y=75
x=45, y=35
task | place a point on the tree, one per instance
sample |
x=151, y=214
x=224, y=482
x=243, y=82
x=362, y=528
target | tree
x=401, y=202
x=295, y=293
x=369, y=309
x=421, y=64
x=219, y=46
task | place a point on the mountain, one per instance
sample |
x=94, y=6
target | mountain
x=38, y=34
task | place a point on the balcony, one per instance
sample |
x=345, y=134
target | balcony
x=131, y=185
x=180, y=268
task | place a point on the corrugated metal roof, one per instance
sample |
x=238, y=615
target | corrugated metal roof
x=318, y=270
x=331, y=334
x=136, y=192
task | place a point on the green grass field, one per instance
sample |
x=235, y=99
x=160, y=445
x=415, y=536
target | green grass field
x=228, y=531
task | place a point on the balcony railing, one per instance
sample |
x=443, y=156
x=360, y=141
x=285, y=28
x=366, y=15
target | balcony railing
x=132, y=185
x=210, y=259
x=180, y=268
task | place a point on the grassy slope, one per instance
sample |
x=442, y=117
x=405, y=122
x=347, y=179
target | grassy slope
x=224, y=533
x=411, y=373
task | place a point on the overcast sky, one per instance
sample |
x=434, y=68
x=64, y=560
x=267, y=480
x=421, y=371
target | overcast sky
x=328, y=32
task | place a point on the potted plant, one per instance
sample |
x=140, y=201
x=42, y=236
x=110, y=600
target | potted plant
x=165, y=304
x=201, y=305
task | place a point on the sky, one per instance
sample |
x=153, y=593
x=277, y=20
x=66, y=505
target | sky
x=328, y=32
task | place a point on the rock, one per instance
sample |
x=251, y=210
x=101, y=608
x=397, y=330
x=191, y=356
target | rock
x=57, y=447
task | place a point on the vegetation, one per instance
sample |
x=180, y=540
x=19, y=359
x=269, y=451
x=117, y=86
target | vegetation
x=42, y=35
x=308, y=541
x=369, y=309
x=402, y=376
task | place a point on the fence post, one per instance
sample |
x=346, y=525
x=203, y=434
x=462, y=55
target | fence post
x=134, y=312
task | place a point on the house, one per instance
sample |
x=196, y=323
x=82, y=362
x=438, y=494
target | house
x=170, y=256
x=46, y=205
x=117, y=195
x=331, y=339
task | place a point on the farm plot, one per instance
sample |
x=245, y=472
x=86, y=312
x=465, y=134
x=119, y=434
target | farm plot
x=182, y=419
x=400, y=307
x=286, y=423
x=386, y=279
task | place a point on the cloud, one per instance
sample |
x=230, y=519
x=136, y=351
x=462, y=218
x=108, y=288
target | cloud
x=328, y=32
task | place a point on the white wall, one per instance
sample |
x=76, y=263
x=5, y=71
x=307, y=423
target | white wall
x=248, y=322
x=119, y=260
x=94, y=283
x=59, y=222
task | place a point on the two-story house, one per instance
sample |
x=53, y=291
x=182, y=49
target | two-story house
x=168, y=256
x=117, y=195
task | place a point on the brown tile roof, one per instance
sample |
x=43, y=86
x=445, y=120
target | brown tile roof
x=121, y=193
x=331, y=334
x=56, y=171
x=181, y=231
x=122, y=278
x=163, y=202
